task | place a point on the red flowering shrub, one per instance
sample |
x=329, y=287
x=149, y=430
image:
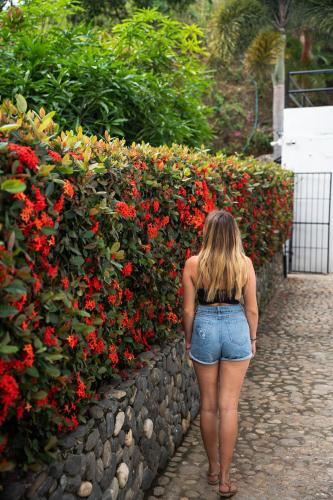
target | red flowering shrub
x=94, y=236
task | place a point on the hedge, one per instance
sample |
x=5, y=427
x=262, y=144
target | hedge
x=94, y=236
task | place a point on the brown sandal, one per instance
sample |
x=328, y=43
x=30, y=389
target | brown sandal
x=217, y=477
x=229, y=493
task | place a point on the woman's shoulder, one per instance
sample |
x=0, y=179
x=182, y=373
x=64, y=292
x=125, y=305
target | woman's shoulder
x=192, y=261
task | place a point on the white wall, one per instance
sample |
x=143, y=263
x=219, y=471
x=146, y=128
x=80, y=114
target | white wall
x=307, y=146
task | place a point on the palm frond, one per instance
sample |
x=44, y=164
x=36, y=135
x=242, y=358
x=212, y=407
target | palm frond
x=233, y=25
x=263, y=53
x=320, y=15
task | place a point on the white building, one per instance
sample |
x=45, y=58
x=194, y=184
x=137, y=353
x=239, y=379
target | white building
x=307, y=149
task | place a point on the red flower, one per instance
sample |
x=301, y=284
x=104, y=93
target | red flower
x=48, y=336
x=127, y=269
x=128, y=354
x=125, y=210
x=59, y=204
x=72, y=340
x=65, y=282
x=56, y=156
x=156, y=205
x=90, y=304
x=128, y=294
x=9, y=392
x=40, y=203
x=68, y=189
x=25, y=155
x=152, y=231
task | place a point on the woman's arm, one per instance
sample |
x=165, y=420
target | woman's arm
x=188, y=302
x=250, y=303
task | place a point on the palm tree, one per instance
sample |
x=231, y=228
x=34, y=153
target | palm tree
x=257, y=32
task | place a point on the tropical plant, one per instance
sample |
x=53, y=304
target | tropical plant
x=144, y=81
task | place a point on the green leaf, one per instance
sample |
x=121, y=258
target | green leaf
x=21, y=103
x=52, y=443
x=9, y=127
x=52, y=371
x=8, y=349
x=77, y=260
x=115, y=247
x=46, y=121
x=6, y=311
x=16, y=288
x=39, y=395
x=32, y=371
x=13, y=186
x=48, y=230
x=53, y=357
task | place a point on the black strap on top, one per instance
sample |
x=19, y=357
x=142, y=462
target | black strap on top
x=220, y=296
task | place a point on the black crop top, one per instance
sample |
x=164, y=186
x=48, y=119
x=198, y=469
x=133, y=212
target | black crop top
x=220, y=296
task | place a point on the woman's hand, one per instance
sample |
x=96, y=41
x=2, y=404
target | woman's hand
x=254, y=347
x=187, y=346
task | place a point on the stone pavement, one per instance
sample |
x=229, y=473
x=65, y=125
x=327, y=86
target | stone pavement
x=285, y=440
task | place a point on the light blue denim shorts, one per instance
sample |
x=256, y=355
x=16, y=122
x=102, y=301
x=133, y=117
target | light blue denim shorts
x=220, y=333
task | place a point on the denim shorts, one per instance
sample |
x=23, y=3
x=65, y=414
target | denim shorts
x=220, y=333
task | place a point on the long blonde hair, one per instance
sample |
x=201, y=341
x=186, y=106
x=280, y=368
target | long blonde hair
x=221, y=260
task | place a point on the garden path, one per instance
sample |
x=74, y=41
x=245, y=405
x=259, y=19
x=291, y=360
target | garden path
x=285, y=441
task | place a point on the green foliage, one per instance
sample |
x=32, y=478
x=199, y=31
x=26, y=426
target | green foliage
x=91, y=260
x=233, y=25
x=263, y=53
x=320, y=15
x=149, y=87
x=119, y=9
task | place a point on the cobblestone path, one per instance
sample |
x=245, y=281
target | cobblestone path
x=285, y=441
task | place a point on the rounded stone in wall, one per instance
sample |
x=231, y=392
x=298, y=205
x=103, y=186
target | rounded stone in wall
x=163, y=459
x=128, y=438
x=107, y=454
x=102, y=430
x=98, y=450
x=85, y=489
x=120, y=418
x=148, y=427
x=185, y=425
x=121, y=437
x=109, y=424
x=147, y=479
x=73, y=464
x=162, y=436
x=155, y=376
x=112, y=492
x=99, y=469
x=139, y=400
x=90, y=467
x=122, y=474
x=136, y=455
x=161, y=394
x=178, y=435
x=171, y=446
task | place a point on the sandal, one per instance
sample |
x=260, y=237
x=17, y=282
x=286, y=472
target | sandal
x=213, y=474
x=229, y=493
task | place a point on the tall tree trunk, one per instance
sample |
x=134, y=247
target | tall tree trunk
x=306, y=41
x=278, y=78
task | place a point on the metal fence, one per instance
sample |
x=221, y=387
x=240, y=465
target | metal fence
x=308, y=249
x=309, y=88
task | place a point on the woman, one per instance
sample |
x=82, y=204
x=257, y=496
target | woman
x=220, y=336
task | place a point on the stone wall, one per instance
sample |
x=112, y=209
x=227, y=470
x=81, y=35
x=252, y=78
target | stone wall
x=268, y=277
x=132, y=431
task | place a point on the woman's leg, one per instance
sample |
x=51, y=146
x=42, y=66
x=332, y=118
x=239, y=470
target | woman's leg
x=232, y=375
x=207, y=376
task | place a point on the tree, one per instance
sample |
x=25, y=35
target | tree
x=256, y=32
